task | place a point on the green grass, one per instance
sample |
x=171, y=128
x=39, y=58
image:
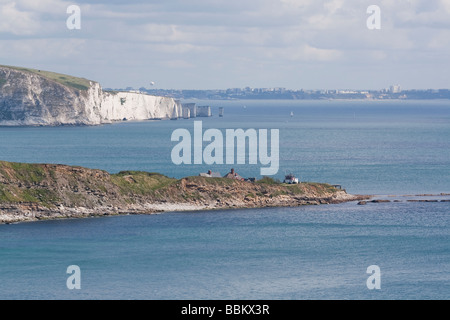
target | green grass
x=6, y=196
x=69, y=81
x=295, y=189
x=2, y=82
x=41, y=196
x=322, y=188
x=211, y=181
x=268, y=180
x=16, y=195
x=137, y=182
x=24, y=182
x=24, y=171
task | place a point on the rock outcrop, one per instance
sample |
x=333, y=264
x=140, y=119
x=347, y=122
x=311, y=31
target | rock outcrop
x=38, y=98
x=30, y=192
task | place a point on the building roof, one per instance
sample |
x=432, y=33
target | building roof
x=211, y=174
x=233, y=175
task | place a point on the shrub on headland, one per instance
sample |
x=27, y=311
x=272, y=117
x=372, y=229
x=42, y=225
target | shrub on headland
x=269, y=180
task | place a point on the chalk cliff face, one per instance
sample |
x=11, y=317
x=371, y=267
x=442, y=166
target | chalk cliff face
x=136, y=106
x=30, y=99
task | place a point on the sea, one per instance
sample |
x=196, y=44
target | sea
x=393, y=150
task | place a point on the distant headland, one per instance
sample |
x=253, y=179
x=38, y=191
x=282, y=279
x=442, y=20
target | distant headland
x=31, y=97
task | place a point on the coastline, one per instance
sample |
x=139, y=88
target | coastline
x=11, y=214
x=33, y=192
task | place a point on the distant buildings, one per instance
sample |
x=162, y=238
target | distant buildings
x=233, y=175
x=392, y=92
x=210, y=174
x=230, y=175
x=395, y=89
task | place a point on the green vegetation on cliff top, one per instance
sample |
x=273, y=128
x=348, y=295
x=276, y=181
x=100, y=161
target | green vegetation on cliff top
x=66, y=80
x=138, y=182
x=53, y=185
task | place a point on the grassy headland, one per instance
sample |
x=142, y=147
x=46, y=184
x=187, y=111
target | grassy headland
x=67, y=80
x=48, y=191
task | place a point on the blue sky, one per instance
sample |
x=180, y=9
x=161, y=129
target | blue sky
x=199, y=44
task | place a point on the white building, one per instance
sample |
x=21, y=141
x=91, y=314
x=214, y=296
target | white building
x=395, y=89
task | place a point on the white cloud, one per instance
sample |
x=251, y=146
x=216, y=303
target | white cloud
x=17, y=22
x=40, y=49
x=256, y=35
x=55, y=7
x=304, y=53
x=440, y=41
x=333, y=5
x=446, y=5
x=178, y=64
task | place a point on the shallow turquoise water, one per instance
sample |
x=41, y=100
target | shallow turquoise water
x=319, y=252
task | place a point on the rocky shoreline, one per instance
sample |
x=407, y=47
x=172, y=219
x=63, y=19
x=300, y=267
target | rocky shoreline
x=28, y=212
x=32, y=192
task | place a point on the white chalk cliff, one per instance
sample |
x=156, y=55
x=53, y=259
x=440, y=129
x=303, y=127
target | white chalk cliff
x=28, y=98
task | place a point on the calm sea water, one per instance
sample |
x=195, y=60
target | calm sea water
x=321, y=252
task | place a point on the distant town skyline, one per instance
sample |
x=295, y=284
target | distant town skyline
x=199, y=44
x=393, y=92
x=392, y=88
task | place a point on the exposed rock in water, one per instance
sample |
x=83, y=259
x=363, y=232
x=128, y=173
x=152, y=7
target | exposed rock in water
x=40, y=98
x=30, y=192
x=373, y=201
x=362, y=203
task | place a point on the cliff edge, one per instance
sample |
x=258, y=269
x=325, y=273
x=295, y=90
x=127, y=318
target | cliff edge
x=30, y=97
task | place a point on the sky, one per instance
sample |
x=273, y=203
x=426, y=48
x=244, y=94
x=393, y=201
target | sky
x=218, y=44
